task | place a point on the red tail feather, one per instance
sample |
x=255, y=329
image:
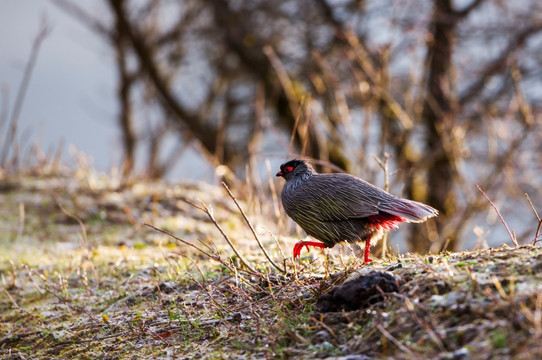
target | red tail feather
x=385, y=221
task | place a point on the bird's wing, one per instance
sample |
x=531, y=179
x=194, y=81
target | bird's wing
x=339, y=197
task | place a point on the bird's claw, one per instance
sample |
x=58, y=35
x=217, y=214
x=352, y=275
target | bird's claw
x=297, y=250
x=301, y=244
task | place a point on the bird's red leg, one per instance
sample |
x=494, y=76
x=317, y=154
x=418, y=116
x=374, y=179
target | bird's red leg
x=367, y=251
x=299, y=246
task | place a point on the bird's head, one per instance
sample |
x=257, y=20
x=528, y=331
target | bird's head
x=294, y=168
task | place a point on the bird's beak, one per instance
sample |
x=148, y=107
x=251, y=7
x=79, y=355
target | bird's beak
x=279, y=173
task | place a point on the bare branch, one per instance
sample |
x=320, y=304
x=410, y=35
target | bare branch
x=205, y=134
x=211, y=217
x=210, y=256
x=82, y=15
x=539, y=227
x=252, y=230
x=467, y=9
x=19, y=99
x=496, y=66
x=500, y=217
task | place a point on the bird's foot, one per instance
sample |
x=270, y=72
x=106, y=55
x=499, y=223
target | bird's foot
x=299, y=246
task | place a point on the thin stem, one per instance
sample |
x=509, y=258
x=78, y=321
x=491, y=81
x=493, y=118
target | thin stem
x=384, y=166
x=19, y=100
x=209, y=214
x=537, y=234
x=252, y=230
x=395, y=341
x=211, y=256
x=500, y=216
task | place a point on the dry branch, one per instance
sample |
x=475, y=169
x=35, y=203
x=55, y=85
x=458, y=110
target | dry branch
x=252, y=230
x=539, y=226
x=210, y=256
x=19, y=100
x=209, y=214
x=500, y=217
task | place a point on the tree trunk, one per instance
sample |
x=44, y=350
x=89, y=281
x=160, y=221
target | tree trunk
x=438, y=118
x=123, y=93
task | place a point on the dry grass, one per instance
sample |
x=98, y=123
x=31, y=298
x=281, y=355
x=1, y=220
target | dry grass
x=89, y=281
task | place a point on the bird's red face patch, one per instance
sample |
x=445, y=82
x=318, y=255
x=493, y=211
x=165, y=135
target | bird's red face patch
x=288, y=167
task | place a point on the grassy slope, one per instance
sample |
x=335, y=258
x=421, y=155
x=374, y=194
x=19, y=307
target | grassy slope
x=118, y=289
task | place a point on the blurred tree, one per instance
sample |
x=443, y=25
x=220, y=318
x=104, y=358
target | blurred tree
x=448, y=88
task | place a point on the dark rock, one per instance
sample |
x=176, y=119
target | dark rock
x=358, y=293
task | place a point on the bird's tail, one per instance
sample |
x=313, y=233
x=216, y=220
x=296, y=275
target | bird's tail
x=411, y=211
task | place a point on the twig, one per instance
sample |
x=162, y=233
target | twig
x=328, y=329
x=56, y=290
x=84, y=237
x=163, y=333
x=306, y=136
x=82, y=341
x=429, y=325
x=278, y=244
x=219, y=307
x=21, y=221
x=384, y=166
x=500, y=216
x=17, y=307
x=206, y=210
x=532, y=206
x=296, y=103
x=214, y=256
x=252, y=230
x=79, y=221
x=19, y=100
x=297, y=336
x=395, y=341
x=5, y=107
x=211, y=256
x=537, y=234
x=294, y=130
x=284, y=79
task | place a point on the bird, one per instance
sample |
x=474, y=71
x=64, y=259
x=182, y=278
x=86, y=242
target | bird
x=336, y=208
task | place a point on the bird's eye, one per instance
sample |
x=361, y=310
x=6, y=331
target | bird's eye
x=288, y=169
